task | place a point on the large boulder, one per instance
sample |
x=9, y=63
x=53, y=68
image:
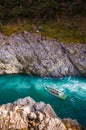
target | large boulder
x=21, y=116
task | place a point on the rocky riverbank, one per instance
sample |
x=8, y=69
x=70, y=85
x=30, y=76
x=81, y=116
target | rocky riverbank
x=32, y=53
x=26, y=114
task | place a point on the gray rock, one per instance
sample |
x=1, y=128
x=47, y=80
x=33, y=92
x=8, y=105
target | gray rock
x=71, y=124
x=21, y=117
x=39, y=106
x=49, y=111
x=25, y=101
x=53, y=123
x=32, y=116
x=40, y=27
x=32, y=54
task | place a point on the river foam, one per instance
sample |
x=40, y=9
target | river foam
x=17, y=86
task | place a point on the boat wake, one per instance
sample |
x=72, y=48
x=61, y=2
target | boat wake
x=17, y=86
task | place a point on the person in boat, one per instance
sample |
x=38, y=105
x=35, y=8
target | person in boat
x=54, y=91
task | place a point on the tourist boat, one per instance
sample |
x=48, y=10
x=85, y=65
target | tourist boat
x=55, y=92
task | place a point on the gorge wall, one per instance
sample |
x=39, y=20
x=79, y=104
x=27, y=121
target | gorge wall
x=32, y=53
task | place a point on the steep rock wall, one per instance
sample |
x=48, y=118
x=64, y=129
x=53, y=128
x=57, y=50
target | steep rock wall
x=31, y=53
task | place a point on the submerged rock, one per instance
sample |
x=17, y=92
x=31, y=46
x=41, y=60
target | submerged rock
x=33, y=54
x=16, y=117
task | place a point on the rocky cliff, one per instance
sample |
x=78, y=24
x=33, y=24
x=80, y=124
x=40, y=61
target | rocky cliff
x=26, y=114
x=33, y=54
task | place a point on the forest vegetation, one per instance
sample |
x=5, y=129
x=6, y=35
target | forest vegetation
x=60, y=19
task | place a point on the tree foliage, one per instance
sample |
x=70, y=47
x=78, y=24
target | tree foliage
x=39, y=8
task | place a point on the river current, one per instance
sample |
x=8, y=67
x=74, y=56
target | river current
x=17, y=86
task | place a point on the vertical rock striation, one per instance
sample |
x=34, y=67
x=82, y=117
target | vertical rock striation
x=33, y=54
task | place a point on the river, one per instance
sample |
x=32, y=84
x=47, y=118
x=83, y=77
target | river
x=17, y=86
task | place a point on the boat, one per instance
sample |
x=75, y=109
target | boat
x=55, y=92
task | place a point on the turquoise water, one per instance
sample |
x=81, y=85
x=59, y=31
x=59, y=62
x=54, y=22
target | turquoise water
x=17, y=86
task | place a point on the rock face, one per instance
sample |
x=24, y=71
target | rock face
x=33, y=54
x=26, y=114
